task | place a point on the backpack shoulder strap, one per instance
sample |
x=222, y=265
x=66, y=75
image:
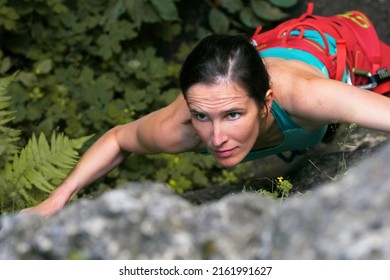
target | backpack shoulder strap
x=281, y=36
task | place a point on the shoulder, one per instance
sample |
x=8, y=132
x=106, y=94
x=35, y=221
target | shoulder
x=168, y=130
x=282, y=69
x=290, y=79
x=295, y=86
x=177, y=133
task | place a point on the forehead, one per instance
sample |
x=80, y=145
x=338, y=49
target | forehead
x=214, y=94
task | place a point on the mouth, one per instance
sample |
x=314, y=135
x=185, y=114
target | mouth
x=224, y=153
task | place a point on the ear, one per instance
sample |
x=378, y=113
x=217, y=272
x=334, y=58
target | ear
x=269, y=96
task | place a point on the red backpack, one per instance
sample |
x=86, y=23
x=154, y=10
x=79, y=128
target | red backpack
x=368, y=63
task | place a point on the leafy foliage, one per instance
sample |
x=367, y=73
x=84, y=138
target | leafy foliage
x=278, y=188
x=8, y=136
x=35, y=170
x=241, y=15
x=86, y=66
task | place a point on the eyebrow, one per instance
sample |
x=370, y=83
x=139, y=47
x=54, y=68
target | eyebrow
x=193, y=111
x=233, y=109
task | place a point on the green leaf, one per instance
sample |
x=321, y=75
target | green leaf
x=218, y=21
x=8, y=136
x=43, y=66
x=135, y=97
x=266, y=11
x=135, y=9
x=150, y=14
x=28, y=79
x=99, y=92
x=4, y=82
x=117, y=112
x=106, y=46
x=232, y=6
x=38, y=161
x=8, y=17
x=68, y=19
x=249, y=19
x=284, y=3
x=166, y=9
x=170, y=31
x=116, y=11
x=58, y=7
x=122, y=30
x=5, y=64
x=86, y=75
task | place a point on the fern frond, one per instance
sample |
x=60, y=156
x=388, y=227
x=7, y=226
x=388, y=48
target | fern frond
x=40, y=164
x=8, y=136
x=39, y=167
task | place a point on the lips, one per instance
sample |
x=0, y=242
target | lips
x=224, y=153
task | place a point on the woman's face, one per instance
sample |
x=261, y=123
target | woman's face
x=226, y=119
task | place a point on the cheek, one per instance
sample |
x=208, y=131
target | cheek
x=244, y=133
x=248, y=130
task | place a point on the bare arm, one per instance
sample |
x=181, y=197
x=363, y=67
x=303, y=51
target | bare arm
x=325, y=101
x=162, y=131
x=314, y=100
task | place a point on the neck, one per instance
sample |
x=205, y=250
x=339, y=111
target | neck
x=269, y=133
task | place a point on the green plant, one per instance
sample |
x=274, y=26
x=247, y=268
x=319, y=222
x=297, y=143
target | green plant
x=342, y=145
x=342, y=166
x=29, y=174
x=8, y=135
x=279, y=188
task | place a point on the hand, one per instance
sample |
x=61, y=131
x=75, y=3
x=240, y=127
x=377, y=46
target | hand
x=46, y=208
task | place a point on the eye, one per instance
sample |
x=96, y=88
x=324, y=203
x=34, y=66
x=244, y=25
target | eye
x=201, y=117
x=234, y=115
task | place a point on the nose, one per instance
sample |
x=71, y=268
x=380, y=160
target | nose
x=219, y=137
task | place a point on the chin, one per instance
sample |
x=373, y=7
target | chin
x=228, y=162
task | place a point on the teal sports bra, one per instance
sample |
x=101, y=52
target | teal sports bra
x=295, y=54
x=295, y=137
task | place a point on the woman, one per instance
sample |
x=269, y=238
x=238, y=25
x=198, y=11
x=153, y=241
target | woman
x=235, y=106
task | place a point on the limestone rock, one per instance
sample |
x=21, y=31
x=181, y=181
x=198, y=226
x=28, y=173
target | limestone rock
x=346, y=219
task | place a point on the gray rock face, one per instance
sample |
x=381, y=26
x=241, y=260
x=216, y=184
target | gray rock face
x=346, y=219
